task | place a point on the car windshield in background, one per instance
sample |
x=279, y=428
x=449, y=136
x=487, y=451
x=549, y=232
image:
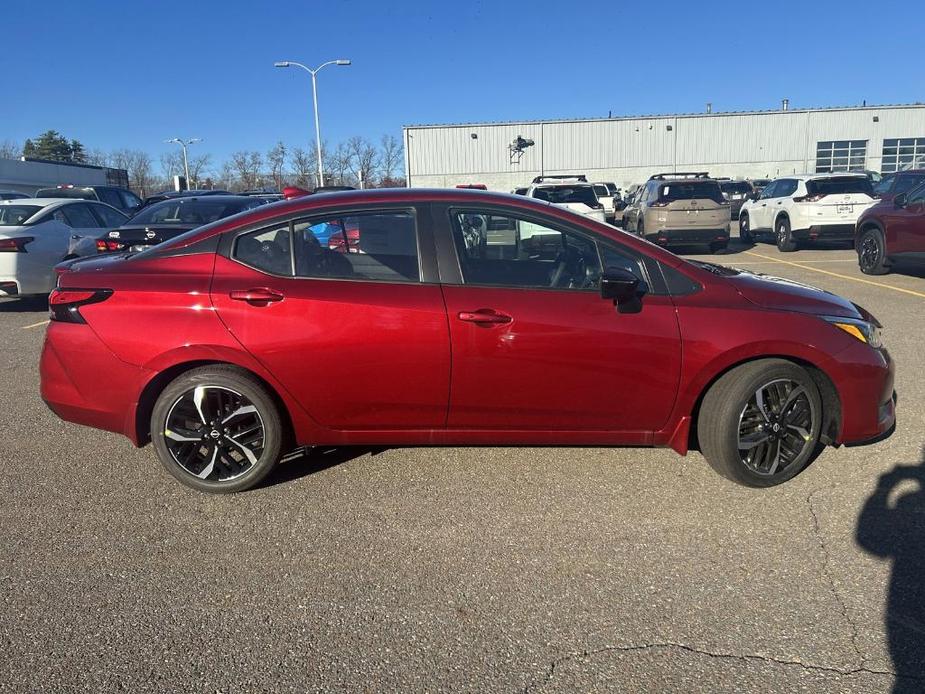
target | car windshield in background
x=186, y=211
x=563, y=195
x=612, y=188
x=841, y=184
x=70, y=193
x=735, y=187
x=601, y=191
x=690, y=190
x=15, y=215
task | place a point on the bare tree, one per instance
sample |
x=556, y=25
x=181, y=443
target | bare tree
x=246, y=166
x=98, y=157
x=171, y=165
x=304, y=166
x=138, y=164
x=391, y=160
x=276, y=161
x=10, y=150
x=337, y=166
x=362, y=159
x=198, y=166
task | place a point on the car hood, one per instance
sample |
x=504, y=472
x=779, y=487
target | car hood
x=782, y=294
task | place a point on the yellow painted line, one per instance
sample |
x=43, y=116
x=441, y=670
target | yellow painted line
x=835, y=274
x=810, y=262
x=35, y=325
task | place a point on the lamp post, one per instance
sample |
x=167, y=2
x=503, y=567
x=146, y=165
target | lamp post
x=184, y=144
x=291, y=63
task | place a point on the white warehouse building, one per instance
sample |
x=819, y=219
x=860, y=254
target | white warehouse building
x=627, y=150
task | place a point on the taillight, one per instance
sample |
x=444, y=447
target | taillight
x=810, y=198
x=64, y=304
x=17, y=245
x=105, y=246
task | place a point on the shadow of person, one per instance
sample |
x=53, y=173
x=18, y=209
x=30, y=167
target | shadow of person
x=892, y=525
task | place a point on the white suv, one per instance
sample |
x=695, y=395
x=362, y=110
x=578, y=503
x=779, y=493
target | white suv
x=807, y=207
x=573, y=192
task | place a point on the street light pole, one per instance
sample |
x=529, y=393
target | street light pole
x=313, y=73
x=184, y=144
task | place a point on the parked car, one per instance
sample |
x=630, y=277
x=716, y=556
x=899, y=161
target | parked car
x=170, y=194
x=736, y=193
x=164, y=220
x=521, y=190
x=759, y=184
x=563, y=331
x=810, y=207
x=677, y=209
x=12, y=195
x=571, y=192
x=892, y=184
x=38, y=233
x=605, y=197
x=120, y=198
x=891, y=230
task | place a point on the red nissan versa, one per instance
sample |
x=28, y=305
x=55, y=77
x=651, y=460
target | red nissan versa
x=891, y=230
x=462, y=317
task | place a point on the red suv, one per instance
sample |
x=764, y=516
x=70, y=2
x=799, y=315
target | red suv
x=891, y=230
x=461, y=317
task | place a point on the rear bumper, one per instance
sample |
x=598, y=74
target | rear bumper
x=825, y=232
x=868, y=398
x=667, y=237
x=86, y=383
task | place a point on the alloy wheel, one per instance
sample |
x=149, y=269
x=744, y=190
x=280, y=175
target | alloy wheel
x=214, y=433
x=869, y=251
x=775, y=427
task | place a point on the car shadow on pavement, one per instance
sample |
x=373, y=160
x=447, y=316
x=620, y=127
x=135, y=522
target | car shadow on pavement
x=892, y=525
x=908, y=268
x=32, y=304
x=309, y=461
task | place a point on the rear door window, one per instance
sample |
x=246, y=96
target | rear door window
x=108, y=217
x=907, y=182
x=79, y=216
x=786, y=187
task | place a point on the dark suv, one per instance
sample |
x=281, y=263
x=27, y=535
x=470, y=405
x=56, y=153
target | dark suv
x=120, y=198
x=891, y=230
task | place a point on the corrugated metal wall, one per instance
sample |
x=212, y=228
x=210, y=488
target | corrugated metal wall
x=628, y=150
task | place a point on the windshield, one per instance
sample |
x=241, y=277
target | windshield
x=186, y=211
x=563, y=195
x=839, y=184
x=734, y=187
x=71, y=193
x=612, y=187
x=16, y=215
x=690, y=190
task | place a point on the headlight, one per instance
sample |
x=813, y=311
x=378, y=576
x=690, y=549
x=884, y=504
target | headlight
x=860, y=329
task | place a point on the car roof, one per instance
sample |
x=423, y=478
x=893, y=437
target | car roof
x=185, y=199
x=818, y=176
x=44, y=202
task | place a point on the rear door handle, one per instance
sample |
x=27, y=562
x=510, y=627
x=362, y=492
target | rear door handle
x=484, y=316
x=259, y=295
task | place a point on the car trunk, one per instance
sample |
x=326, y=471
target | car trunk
x=140, y=237
x=692, y=205
x=838, y=200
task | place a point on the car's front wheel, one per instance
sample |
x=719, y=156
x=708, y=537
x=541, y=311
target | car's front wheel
x=872, y=253
x=745, y=232
x=759, y=424
x=217, y=429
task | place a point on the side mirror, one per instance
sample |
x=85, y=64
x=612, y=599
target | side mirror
x=900, y=200
x=624, y=289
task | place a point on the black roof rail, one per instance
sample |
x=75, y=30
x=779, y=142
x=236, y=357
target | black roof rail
x=679, y=174
x=573, y=177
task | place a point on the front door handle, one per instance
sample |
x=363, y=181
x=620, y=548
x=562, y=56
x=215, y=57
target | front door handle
x=260, y=295
x=485, y=316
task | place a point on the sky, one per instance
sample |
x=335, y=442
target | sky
x=132, y=74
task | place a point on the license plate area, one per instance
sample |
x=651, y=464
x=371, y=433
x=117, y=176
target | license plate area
x=844, y=209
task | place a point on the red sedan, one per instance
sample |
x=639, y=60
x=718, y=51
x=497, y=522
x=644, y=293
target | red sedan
x=464, y=317
x=890, y=231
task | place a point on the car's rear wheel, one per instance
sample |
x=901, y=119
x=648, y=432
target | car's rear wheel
x=217, y=429
x=871, y=251
x=745, y=232
x=759, y=424
x=785, y=241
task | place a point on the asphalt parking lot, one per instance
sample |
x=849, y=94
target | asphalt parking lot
x=494, y=569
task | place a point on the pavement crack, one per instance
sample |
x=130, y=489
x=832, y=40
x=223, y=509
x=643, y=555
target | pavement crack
x=826, y=564
x=748, y=657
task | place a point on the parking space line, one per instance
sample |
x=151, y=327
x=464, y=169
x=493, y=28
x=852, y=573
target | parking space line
x=811, y=262
x=835, y=274
x=35, y=325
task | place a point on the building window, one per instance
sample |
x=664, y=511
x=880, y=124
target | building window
x=841, y=155
x=905, y=153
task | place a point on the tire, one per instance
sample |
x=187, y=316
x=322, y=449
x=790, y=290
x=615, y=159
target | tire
x=871, y=251
x=745, y=232
x=731, y=416
x=188, y=425
x=785, y=241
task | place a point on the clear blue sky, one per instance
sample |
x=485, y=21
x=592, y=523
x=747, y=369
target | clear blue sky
x=115, y=76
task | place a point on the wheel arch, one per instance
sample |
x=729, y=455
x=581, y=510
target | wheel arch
x=831, y=402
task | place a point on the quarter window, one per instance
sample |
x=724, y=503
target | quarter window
x=108, y=216
x=903, y=153
x=841, y=155
x=503, y=251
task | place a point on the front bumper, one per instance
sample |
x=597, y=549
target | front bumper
x=668, y=237
x=825, y=232
x=866, y=391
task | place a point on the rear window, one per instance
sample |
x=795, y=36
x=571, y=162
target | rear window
x=562, y=195
x=612, y=188
x=734, y=187
x=14, y=215
x=839, y=184
x=601, y=191
x=71, y=193
x=690, y=190
x=186, y=211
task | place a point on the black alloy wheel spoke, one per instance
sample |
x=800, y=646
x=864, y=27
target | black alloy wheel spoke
x=775, y=427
